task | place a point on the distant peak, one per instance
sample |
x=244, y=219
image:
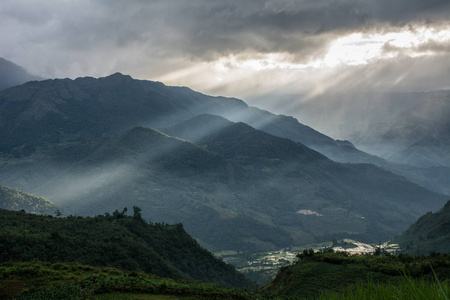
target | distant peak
x=119, y=76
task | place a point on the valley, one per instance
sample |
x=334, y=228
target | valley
x=93, y=145
x=261, y=267
x=236, y=150
x=243, y=182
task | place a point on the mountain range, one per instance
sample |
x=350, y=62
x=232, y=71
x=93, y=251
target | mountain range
x=236, y=176
x=405, y=128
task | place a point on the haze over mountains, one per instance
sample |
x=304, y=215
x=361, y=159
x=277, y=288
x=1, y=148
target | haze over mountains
x=95, y=145
x=12, y=74
x=406, y=128
x=256, y=130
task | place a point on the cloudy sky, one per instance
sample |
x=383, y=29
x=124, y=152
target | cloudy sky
x=240, y=48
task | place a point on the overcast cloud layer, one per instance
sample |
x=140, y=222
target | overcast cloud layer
x=238, y=48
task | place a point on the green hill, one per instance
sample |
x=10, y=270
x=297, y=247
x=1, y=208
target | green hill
x=324, y=273
x=113, y=240
x=43, y=280
x=14, y=199
x=430, y=233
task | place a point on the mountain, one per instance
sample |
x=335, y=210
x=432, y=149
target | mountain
x=426, y=129
x=14, y=199
x=292, y=162
x=430, y=233
x=86, y=145
x=251, y=188
x=64, y=117
x=119, y=102
x=11, y=74
x=406, y=128
x=117, y=240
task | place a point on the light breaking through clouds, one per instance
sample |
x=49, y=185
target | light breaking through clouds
x=244, y=49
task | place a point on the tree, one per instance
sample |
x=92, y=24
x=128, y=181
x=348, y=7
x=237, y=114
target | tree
x=137, y=212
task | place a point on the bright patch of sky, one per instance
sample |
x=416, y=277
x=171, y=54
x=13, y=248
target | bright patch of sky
x=351, y=50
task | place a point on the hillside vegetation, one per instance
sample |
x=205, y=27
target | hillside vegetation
x=431, y=233
x=316, y=274
x=43, y=281
x=117, y=240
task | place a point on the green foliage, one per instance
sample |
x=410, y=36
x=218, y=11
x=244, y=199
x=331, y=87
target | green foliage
x=57, y=292
x=407, y=289
x=38, y=280
x=430, y=234
x=339, y=273
x=115, y=240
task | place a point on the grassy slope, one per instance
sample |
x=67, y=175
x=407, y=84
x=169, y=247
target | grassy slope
x=336, y=272
x=122, y=242
x=38, y=280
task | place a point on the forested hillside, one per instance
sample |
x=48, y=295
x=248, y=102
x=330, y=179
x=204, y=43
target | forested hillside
x=117, y=240
x=430, y=233
x=316, y=274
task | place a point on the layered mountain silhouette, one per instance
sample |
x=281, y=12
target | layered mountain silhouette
x=406, y=128
x=12, y=74
x=237, y=177
x=425, y=130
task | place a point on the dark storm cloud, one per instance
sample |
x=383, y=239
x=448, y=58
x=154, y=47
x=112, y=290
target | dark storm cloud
x=213, y=28
x=72, y=37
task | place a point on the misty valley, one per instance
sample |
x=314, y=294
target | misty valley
x=114, y=185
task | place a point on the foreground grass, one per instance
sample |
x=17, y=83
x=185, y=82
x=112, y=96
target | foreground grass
x=38, y=280
x=408, y=289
